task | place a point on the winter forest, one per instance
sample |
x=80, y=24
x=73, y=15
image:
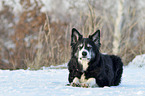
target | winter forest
x=35, y=37
x=36, y=33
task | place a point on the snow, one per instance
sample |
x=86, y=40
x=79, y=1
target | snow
x=14, y=4
x=9, y=45
x=138, y=62
x=51, y=82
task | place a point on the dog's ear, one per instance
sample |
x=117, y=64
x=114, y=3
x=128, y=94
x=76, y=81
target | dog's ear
x=96, y=37
x=75, y=36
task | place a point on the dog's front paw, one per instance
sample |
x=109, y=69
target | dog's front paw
x=75, y=84
x=85, y=85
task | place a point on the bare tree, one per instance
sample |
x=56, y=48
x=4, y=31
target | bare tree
x=117, y=26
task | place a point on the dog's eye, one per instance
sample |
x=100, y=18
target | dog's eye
x=80, y=47
x=89, y=46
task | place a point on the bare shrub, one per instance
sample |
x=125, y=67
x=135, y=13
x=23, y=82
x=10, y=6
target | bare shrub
x=34, y=39
x=51, y=48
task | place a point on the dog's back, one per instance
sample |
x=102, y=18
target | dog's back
x=118, y=69
x=113, y=68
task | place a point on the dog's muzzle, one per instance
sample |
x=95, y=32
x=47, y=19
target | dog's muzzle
x=84, y=56
x=85, y=59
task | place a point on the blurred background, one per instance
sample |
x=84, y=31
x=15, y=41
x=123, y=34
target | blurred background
x=36, y=33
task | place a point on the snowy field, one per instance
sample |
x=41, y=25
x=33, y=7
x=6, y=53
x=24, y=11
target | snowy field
x=51, y=82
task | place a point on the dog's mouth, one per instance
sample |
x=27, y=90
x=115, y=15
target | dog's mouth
x=84, y=58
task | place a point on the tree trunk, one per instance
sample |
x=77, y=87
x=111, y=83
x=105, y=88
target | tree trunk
x=117, y=26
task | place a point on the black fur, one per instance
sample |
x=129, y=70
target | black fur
x=106, y=69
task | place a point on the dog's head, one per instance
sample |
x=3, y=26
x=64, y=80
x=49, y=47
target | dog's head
x=85, y=49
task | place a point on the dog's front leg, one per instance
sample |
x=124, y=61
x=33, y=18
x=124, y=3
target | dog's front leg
x=91, y=82
x=76, y=82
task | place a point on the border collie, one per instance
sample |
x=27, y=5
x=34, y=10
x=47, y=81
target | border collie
x=88, y=67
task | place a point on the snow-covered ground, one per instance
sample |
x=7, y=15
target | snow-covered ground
x=51, y=82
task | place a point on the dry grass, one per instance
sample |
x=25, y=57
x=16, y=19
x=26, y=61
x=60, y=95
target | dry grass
x=38, y=42
x=52, y=49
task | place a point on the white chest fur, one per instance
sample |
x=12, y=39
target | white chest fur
x=84, y=64
x=82, y=79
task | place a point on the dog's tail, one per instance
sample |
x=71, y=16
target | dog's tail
x=118, y=69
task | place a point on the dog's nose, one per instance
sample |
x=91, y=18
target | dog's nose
x=84, y=53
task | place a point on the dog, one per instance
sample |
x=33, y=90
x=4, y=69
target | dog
x=90, y=68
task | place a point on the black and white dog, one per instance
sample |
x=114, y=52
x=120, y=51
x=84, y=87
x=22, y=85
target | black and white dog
x=88, y=67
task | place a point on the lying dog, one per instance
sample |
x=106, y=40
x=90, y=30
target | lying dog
x=88, y=67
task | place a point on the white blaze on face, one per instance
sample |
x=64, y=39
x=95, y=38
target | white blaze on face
x=84, y=60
